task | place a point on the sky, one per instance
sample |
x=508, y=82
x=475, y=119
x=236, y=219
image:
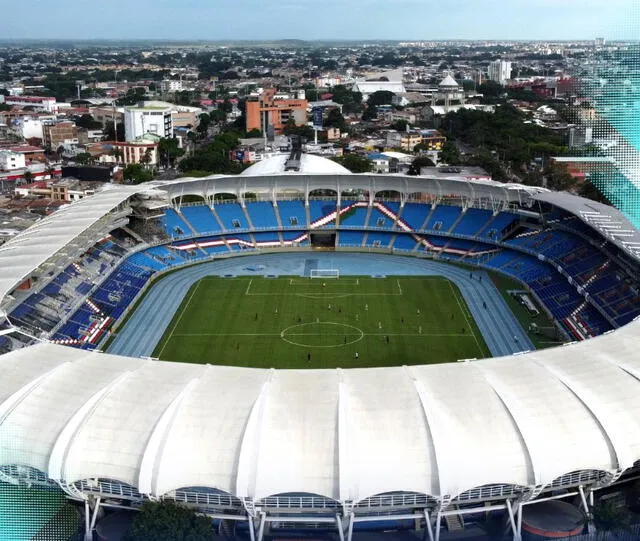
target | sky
x=320, y=19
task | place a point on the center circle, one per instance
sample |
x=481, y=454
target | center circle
x=322, y=334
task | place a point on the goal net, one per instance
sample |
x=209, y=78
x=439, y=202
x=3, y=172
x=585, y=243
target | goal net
x=324, y=273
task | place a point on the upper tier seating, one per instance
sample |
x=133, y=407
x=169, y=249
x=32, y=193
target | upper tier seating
x=232, y=216
x=202, y=219
x=443, y=217
x=262, y=214
x=292, y=213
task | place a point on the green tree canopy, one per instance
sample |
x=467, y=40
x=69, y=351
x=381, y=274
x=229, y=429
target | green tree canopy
x=159, y=521
x=450, y=154
x=88, y=122
x=355, y=163
x=169, y=151
x=335, y=120
x=418, y=163
x=136, y=173
x=380, y=97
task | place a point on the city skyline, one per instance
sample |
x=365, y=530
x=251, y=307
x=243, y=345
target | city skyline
x=330, y=20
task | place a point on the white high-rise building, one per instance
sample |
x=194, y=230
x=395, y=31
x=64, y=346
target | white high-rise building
x=500, y=71
x=144, y=119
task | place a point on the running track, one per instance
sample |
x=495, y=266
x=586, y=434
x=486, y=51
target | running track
x=146, y=326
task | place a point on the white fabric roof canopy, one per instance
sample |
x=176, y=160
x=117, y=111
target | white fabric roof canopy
x=344, y=434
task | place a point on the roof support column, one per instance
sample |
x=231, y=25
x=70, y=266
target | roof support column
x=428, y=525
x=87, y=521
x=350, y=527
x=438, y=524
x=340, y=528
x=94, y=517
x=252, y=528
x=514, y=528
x=263, y=517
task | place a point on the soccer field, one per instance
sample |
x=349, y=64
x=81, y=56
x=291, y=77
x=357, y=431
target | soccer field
x=299, y=322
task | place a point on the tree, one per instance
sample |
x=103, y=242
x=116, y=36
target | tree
x=355, y=163
x=110, y=133
x=88, y=122
x=169, y=150
x=381, y=97
x=450, y=154
x=28, y=176
x=159, y=521
x=418, y=163
x=370, y=113
x=335, y=120
x=204, y=124
x=254, y=132
x=145, y=159
x=135, y=173
x=132, y=97
x=400, y=125
x=83, y=158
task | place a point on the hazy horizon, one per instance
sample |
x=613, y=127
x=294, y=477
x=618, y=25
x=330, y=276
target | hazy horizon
x=331, y=20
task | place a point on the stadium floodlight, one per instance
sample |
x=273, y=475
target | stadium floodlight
x=324, y=273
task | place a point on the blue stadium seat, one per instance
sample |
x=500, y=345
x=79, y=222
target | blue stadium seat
x=354, y=217
x=351, y=238
x=501, y=223
x=262, y=214
x=414, y=214
x=443, y=217
x=472, y=221
x=404, y=242
x=379, y=240
x=174, y=225
x=232, y=216
x=320, y=209
x=202, y=219
x=292, y=214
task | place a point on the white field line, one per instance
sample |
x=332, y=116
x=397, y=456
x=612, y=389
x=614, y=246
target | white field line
x=399, y=286
x=279, y=335
x=464, y=313
x=178, y=320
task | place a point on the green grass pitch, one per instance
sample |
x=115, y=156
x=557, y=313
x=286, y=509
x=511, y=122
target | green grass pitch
x=348, y=322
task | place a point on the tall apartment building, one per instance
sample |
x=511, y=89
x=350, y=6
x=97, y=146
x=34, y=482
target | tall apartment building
x=273, y=109
x=500, y=71
x=144, y=119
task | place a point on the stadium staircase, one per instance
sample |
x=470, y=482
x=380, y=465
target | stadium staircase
x=276, y=211
x=212, y=208
x=194, y=231
x=307, y=212
x=428, y=218
x=455, y=523
x=246, y=215
x=458, y=220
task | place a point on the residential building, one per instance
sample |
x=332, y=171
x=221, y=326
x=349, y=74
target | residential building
x=276, y=110
x=380, y=162
x=37, y=102
x=499, y=71
x=403, y=140
x=11, y=160
x=170, y=85
x=106, y=115
x=136, y=151
x=60, y=133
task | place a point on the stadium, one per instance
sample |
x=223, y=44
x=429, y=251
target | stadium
x=354, y=442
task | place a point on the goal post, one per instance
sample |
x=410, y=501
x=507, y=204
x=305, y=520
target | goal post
x=324, y=273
